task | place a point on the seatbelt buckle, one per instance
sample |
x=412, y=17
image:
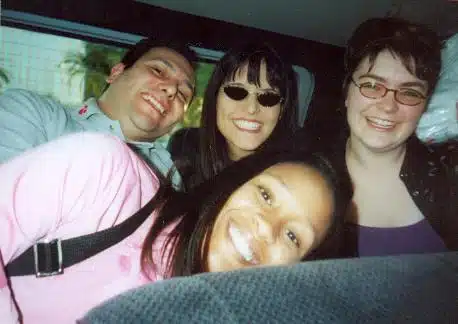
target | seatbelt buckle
x=48, y=258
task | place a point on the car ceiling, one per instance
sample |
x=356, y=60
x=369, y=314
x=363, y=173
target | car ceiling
x=325, y=21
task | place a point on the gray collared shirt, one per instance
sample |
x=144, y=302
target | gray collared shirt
x=28, y=120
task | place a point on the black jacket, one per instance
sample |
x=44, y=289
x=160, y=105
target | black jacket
x=430, y=175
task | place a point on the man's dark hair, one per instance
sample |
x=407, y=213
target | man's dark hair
x=146, y=44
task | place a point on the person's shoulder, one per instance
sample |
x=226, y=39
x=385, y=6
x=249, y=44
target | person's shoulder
x=433, y=159
x=29, y=100
x=95, y=150
x=424, y=151
x=184, y=142
x=17, y=92
x=189, y=133
x=25, y=94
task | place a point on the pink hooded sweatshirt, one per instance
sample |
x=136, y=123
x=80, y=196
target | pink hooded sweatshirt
x=76, y=185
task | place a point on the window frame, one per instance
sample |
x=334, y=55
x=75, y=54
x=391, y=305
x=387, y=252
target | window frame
x=33, y=22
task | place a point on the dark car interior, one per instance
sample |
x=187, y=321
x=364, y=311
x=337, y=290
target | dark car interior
x=65, y=49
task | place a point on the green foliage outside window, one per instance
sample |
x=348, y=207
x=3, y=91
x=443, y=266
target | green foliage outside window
x=94, y=64
x=192, y=115
x=4, y=78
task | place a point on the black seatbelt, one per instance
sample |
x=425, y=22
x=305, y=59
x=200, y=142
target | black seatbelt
x=51, y=258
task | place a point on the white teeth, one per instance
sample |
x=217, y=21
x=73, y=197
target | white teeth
x=156, y=104
x=241, y=243
x=248, y=125
x=381, y=122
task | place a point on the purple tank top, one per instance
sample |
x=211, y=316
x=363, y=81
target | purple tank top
x=377, y=241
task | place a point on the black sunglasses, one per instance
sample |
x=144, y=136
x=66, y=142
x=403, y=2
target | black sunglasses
x=266, y=99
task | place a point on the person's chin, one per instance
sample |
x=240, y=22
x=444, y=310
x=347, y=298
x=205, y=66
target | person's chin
x=149, y=132
x=215, y=264
x=382, y=145
x=249, y=144
x=245, y=150
x=149, y=118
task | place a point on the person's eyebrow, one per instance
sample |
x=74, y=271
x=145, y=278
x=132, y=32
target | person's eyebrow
x=172, y=67
x=169, y=65
x=372, y=76
x=405, y=84
x=278, y=180
x=414, y=84
x=190, y=85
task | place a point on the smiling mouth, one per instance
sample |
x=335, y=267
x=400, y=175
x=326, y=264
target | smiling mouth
x=247, y=125
x=242, y=245
x=154, y=103
x=381, y=123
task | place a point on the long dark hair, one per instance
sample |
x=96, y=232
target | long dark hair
x=193, y=213
x=214, y=154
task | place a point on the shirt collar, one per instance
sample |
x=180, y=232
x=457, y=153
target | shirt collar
x=142, y=144
x=89, y=108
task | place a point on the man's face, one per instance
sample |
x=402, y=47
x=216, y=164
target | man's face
x=152, y=95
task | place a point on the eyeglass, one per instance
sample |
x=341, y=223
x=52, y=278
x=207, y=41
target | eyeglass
x=405, y=96
x=266, y=99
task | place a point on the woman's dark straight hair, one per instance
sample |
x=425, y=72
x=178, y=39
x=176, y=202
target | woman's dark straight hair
x=213, y=149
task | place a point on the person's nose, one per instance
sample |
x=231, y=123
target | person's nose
x=253, y=104
x=170, y=87
x=267, y=227
x=388, y=102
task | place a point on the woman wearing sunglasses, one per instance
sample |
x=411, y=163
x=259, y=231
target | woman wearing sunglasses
x=250, y=104
x=405, y=198
x=271, y=208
